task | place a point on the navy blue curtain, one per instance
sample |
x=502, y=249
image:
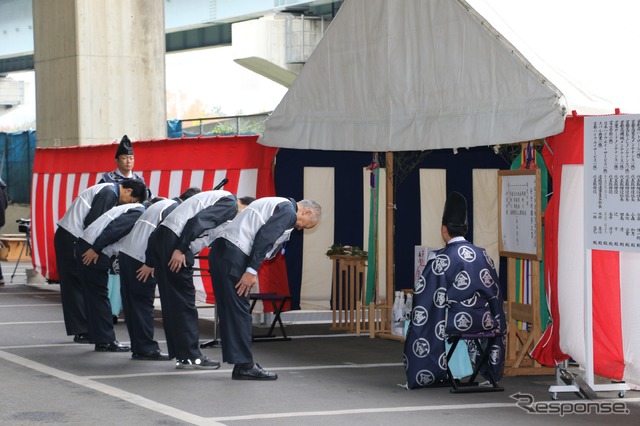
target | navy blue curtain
x=290, y=164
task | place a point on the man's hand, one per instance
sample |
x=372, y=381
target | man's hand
x=144, y=272
x=89, y=257
x=247, y=281
x=177, y=261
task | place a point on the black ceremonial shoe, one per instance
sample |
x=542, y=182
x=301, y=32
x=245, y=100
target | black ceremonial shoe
x=254, y=373
x=114, y=346
x=151, y=356
x=203, y=363
x=81, y=338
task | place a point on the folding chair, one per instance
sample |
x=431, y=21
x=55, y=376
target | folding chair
x=278, y=303
x=483, y=359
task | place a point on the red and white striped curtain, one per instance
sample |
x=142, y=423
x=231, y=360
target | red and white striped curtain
x=169, y=166
x=616, y=295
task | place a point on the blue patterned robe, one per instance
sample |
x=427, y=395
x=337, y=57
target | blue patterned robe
x=458, y=292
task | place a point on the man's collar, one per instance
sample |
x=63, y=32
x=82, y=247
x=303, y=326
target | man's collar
x=119, y=173
x=456, y=239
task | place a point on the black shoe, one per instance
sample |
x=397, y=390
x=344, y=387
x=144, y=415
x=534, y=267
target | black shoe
x=254, y=373
x=151, y=356
x=114, y=346
x=203, y=363
x=81, y=338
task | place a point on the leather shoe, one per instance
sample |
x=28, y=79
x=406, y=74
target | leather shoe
x=254, y=373
x=114, y=346
x=151, y=356
x=81, y=338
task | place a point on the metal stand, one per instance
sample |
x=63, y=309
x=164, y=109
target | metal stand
x=586, y=385
x=215, y=340
x=27, y=247
x=570, y=382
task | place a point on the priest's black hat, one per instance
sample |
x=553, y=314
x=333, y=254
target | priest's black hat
x=455, y=210
x=125, y=147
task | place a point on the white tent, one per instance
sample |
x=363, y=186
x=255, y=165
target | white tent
x=413, y=75
x=427, y=74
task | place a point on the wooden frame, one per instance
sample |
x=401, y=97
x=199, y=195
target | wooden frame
x=511, y=225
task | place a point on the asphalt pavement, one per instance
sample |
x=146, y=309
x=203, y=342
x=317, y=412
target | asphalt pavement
x=326, y=377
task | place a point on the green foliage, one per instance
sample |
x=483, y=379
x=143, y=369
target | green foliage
x=338, y=249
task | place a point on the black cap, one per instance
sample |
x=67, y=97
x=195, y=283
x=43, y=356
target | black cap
x=455, y=210
x=125, y=147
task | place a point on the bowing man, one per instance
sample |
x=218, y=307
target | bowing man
x=256, y=234
x=138, y=281
x=95, y=249
x=83, y=211
x=173, y=259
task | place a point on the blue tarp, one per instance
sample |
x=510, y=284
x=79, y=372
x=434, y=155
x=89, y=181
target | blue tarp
x=17, y=150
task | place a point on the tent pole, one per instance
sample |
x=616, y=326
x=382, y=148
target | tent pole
x=390, y=283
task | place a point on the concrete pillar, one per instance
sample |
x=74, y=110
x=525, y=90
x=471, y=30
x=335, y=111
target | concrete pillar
x=100, y=71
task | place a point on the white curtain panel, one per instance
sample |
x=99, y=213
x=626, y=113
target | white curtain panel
x=485, y=211
x=571, y=263
x=433, y=194
x=319, y=186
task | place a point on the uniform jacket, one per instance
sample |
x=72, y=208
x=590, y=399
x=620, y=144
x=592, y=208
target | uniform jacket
x=195, y=217
x=135, y=243
x=88, y=206
x=105, y=232
x=262, y=228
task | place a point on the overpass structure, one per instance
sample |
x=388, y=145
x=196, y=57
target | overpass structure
x=189, y=24
x=275, y=36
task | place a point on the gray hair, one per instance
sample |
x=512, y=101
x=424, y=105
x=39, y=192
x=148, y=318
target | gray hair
x=314, y=207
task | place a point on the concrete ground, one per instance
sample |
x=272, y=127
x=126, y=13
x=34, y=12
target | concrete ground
x=326, y=377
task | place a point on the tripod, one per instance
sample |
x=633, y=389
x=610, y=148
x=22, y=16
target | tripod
x=25, y=226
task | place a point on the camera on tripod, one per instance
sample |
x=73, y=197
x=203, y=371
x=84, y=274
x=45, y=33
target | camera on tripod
x=24, y=225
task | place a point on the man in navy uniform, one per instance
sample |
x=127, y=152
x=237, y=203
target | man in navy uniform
x=172, y=259
x=96, y=249
x=85, y=208
x=256, y=234
x=458, y=292
x=138, y=284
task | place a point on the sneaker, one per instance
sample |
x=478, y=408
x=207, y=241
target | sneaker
x=203, y=363
x=1, y=281
x=81, y=338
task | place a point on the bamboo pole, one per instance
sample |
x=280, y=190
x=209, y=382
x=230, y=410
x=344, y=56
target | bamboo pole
x=390, y=284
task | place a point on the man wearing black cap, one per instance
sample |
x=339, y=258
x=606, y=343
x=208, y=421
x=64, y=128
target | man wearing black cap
x=458, y=292
x=124, y=161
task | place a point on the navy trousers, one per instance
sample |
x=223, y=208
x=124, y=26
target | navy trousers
x=137, y=304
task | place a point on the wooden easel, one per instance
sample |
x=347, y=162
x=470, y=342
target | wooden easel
x=521, y=342
x=522, y=213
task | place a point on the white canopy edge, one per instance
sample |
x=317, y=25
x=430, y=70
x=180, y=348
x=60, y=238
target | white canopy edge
x=398, y=75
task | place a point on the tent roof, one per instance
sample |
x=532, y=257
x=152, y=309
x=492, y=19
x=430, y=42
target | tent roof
x=395, y=75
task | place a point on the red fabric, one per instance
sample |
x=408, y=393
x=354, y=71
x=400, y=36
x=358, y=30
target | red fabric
x=203, y=258
x=565, y=148
x=169, y=166
x=608, y=356
x=568, y=148
x=270, y=273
